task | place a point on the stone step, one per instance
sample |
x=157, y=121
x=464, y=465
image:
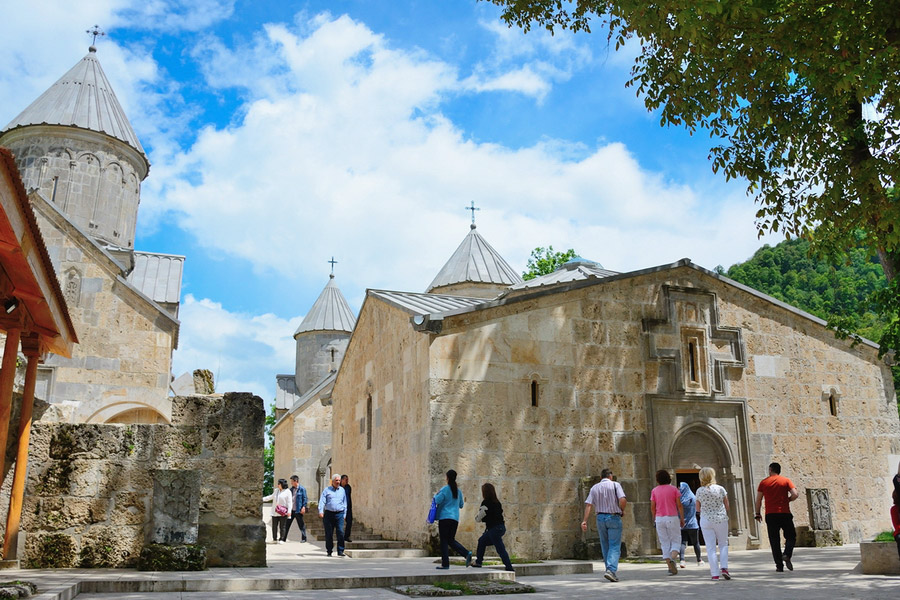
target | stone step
x=385, y=553
x=222, y=584
x=359, y=544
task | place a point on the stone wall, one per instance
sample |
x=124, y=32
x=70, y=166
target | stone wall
x=536, y=394
x=314, y=358
x=382, y=388
x=123, y=359
x=89, y=488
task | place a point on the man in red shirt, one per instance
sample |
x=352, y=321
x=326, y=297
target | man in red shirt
x=778, y=492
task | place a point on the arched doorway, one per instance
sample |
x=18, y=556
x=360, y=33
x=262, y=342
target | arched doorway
x=700, y=445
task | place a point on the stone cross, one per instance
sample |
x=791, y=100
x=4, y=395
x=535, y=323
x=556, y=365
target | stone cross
x=175, y=514
x=819, y=508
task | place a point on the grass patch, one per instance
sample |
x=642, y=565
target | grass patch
x=884, y=536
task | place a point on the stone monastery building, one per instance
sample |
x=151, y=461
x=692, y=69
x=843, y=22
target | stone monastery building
x=83, y=166
x=537, y=385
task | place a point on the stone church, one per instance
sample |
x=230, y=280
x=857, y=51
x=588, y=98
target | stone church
x=83, y=165
x=537, y=385
x=302, y=430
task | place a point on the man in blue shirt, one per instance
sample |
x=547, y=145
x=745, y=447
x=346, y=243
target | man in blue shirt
x=332, y=506
x=298, y=506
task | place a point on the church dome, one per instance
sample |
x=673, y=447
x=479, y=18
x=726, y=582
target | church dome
x=81, y=98
x=329, y=313
x=475, y=268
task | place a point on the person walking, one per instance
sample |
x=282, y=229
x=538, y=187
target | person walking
x=895, y=517
x=494, y=527
x=281, y=508
x=778, y=492
x=332, y=506
x=665, y=506
x=712, y=504
x=348, y=519
x=298, y=507
x=690, y=531
x=449, y=500
x=607, y=498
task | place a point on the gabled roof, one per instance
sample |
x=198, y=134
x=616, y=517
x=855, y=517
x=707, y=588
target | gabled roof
x=81, y=98
x=417, y=303
x=286, y=392
x=475, y=261
x=27, y=264
x=329, y=313
x=577, y=269
x=158, y=276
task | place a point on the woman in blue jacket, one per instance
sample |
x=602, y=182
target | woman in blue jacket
x=449, y=500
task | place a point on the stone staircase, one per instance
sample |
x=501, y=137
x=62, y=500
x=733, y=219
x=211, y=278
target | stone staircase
x=365, y=544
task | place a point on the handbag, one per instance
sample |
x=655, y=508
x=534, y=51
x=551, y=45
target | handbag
x=482, y=513
x=281, y=510
x=432, y=512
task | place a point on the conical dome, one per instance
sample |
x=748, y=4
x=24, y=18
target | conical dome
x=329, y=313
x=477, y=264
x=81, y=98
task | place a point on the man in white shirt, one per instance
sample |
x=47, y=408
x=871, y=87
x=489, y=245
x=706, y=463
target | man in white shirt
x=607, y=498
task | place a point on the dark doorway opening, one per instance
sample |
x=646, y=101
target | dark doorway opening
x=692, y=477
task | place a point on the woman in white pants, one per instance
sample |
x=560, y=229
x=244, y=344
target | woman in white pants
x=665, y=506
x=712, y=504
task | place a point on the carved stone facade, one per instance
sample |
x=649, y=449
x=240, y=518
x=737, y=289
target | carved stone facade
x=90, y=498
x=673, y=368
x=94, y=180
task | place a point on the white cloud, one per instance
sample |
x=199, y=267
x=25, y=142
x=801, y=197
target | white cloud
x=243, y=351
x=349, y=152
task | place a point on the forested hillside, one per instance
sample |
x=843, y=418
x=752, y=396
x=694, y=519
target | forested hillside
x=789, y=273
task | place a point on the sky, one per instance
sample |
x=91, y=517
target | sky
x=282, y=134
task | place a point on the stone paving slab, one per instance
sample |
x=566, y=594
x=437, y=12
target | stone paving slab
x=821, y=573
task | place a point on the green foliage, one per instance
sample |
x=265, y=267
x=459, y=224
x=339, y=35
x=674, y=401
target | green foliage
x=545, y=260
x=852, y=295
x=884, y=536
x=801, y=99
x=269, y=454
x=54, y=551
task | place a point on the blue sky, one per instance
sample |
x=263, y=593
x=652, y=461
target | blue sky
x=281, y=134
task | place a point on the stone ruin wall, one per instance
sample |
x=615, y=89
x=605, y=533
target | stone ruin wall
x=89, y=488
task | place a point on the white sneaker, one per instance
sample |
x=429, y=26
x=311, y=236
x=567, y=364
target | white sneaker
x=682, y=564
x=280, y=541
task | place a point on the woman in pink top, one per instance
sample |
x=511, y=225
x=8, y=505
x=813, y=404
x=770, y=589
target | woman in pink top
x=665, y=506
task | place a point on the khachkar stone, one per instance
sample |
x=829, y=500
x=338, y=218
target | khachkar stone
x=174, y=519
x=821, y=532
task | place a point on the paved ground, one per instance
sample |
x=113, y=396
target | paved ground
x=820, y=573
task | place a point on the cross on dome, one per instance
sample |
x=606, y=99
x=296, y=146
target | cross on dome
x=333, y=262
x=473, y=209
x=96, y=32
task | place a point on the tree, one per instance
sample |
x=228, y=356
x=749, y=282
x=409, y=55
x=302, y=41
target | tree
x=801, y=96
x=545, y=260
x=269, y=453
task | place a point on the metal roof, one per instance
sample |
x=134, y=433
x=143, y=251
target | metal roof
x=475, y=261
x=425, y=303
x=157, y=276
x=329, y=313
x=81, y=98
x=286, y=396
x=577, y=269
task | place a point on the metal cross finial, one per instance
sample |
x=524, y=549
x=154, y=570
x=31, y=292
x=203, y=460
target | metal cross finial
x=473, y=209
x=333, y=262
x=96, y=32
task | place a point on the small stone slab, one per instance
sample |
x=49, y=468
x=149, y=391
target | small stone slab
x=478, y=588
x=425, y=591
x=186, y=557
x=17, y=589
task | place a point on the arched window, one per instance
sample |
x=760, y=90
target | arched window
x=369, y=423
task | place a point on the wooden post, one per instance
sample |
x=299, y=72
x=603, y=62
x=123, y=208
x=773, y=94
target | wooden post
x=7, y=378
x=13, y=517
